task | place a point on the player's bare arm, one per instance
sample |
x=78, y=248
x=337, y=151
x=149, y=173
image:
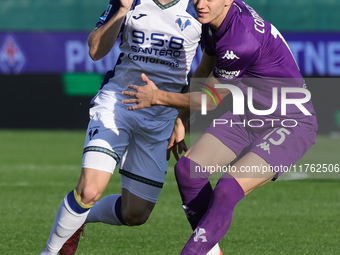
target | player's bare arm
x=204, y=69
x=149, y=95
x=102, y=39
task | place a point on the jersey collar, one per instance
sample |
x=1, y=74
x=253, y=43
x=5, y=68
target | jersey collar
x=168, y=5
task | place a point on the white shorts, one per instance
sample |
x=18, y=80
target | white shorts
x=135, y=142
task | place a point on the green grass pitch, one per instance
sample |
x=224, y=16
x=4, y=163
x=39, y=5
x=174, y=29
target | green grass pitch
x=37, y=169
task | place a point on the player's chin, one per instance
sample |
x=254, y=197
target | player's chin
x=202, y=17
x=203, y=21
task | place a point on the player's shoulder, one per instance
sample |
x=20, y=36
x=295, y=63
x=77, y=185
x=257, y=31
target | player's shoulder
x=188, y=5
x=184, y=9
x=239, y=39
x=246, y=24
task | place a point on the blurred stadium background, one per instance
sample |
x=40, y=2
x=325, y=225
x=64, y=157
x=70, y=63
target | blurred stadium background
x=47, y=78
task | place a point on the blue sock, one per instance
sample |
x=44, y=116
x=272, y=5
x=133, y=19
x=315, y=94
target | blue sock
x=107, y=210
x=76, y=205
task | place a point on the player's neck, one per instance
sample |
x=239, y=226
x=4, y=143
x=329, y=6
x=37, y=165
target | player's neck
x=164, y=2
x=216, y=23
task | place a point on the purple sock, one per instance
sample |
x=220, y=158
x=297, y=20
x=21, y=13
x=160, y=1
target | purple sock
x=217, y=219
x=195, y=192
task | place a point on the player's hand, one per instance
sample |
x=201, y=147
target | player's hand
x=176, y=142
x=143, y=96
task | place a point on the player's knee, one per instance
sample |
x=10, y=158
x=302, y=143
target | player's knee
x=135, y=219
x=89, y=195
x=181, y=169
x=226, y=189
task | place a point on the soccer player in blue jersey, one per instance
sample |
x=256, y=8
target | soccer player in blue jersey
x=248, y=54
x=158, y=37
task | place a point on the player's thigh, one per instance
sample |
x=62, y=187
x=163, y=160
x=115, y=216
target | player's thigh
x=281, y=147
x=145, y=157
x=133, y=206
x=146, y=189
x=220, y=144
x=102, y=151
x=107, y=136
x=139, y=196
x=208, y=150
x=251, y=171
x=144, y=166
x=106, y=140
x=271, y=154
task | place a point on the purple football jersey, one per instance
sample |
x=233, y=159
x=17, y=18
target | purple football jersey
x=251, y=53
x=247, y=46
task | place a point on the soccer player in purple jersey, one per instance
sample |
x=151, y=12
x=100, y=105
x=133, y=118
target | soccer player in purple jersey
x=247, y=53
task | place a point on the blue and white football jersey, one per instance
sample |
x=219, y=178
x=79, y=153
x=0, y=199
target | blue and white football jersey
x=159, y=40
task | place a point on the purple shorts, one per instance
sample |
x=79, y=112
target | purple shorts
x=280, y=146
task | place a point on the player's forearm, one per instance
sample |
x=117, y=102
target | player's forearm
x=102, y=39
x=190, y=101
x=177, y=100
x=203, y=71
